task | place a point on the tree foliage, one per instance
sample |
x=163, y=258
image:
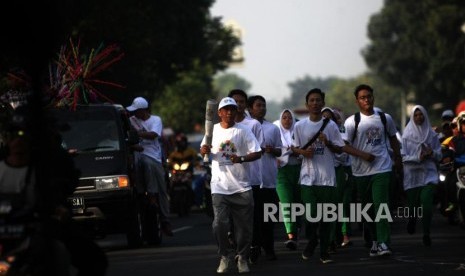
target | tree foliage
x=418, y=47
x=225, y=82
x=340, y=93
x=164, y=42
x=182, y=104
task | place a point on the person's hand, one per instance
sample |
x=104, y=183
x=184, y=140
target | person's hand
x=368, y=157
x=235, y=159
x=308, y=153
x=205, y=149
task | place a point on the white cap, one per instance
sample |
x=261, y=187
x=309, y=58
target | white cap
x=138, y=103
x=227, y=101
x=447, y=113
x=327, y=108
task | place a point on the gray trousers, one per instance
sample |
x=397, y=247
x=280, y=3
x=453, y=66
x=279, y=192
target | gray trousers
x=239, y=207
x=152, y=176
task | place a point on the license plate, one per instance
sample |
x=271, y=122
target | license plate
x=77, y=203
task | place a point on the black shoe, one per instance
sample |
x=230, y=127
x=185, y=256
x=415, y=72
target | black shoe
x=291, y=244
x=325, y=259
x=411, y=224
x=427, y=240
x=309, y=249
x=254, y=254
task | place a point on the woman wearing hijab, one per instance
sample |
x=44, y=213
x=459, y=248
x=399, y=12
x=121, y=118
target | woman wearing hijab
x=421, y=151
x=287, y=186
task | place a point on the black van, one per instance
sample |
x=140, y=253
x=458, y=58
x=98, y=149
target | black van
x=99, y=137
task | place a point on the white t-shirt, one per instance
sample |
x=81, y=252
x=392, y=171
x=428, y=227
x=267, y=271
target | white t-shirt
x=318, y=170
x=269, y=161
x=152, y=148
x=371, y=138
x=255, y=167
x=228, y=178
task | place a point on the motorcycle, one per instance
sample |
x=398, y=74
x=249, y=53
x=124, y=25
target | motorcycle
x=460, y=173
x=446, y=187
x=181, y=193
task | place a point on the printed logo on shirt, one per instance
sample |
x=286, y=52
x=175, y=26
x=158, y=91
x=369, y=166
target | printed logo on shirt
x=226, y=150
x=374, y=136
x=318, y=147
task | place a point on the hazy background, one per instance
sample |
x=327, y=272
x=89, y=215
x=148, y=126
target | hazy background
x=287, y=39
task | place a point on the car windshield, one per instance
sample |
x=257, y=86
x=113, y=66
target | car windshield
x=91, y=133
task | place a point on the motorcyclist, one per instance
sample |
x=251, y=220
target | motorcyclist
x=41, y=175
x=457, y=145
x=182, y=154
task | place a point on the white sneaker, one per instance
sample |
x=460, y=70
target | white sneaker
x=224, y=265
x=383, y=250
x=242, y=265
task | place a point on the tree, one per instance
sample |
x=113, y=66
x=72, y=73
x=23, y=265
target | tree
x=225, y=82
x=182, y=104
x=162, y=40
x=418, y=47
x=300, y=87
x=339, y=93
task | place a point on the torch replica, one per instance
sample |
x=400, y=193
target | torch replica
x=211, y=117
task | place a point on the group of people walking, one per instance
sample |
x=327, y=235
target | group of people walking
x=317, y=160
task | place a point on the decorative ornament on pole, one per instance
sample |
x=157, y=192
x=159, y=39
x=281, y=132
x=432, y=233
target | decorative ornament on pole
x=211, y=118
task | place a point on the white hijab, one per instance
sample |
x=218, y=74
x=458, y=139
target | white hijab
x=286, y=134
x=418, y=133
x=286, y=137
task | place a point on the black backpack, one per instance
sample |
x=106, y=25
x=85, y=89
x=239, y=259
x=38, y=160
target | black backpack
x=357, y=121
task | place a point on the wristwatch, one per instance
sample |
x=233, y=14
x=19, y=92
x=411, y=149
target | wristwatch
x=242, y=159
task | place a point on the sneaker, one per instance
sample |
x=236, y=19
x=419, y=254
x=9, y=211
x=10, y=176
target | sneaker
x=325, y=259
x=224, y=265
x=309, y=249
x=374, y=249
x=291, y=244
x=345, y=241
x=383, y=250
x=427, y=240
x=242, y=265
x=255, y=252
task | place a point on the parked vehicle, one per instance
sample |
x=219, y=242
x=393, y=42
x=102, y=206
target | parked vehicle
x=107, y=199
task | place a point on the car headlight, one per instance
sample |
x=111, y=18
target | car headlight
x=112, y=182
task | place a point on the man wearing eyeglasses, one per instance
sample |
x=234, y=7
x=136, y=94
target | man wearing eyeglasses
x=373, y=179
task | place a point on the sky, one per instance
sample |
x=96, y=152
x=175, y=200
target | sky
x=285, y=40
